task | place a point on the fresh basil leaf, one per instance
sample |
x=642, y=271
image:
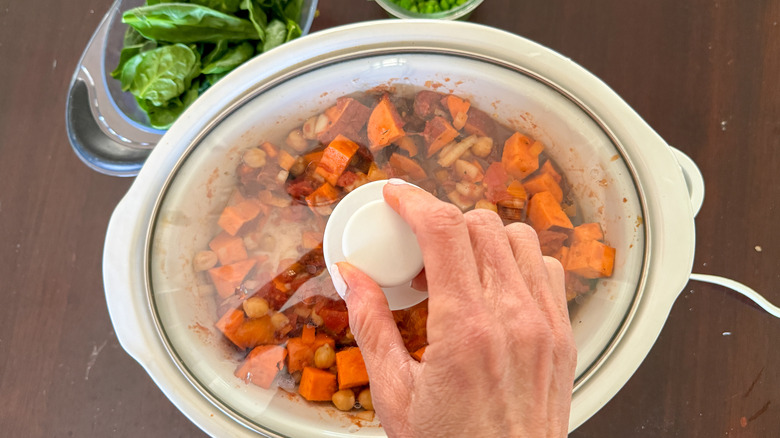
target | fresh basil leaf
x=257, y=16
x=128, y=71
x=130, y=51
x=293, y=30
x=216, y=52
x=229, y=60
x=132, y=37
x=215, y=77
x=275, y=34
x=163, y=74
x=163, y=117
x=226, y=6
x=188, y=23
x=293, y=10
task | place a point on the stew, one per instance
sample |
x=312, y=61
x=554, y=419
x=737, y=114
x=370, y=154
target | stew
x=275, y=301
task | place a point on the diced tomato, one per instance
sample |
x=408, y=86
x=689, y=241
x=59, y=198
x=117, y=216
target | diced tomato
x=495, y=182
x=334, y=320
x=300, y=188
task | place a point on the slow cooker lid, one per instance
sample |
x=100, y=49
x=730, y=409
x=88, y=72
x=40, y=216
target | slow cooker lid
x=591, y=158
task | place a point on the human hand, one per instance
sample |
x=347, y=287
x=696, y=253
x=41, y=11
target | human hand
x=500, y=359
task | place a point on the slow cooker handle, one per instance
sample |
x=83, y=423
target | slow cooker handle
x=693, y=179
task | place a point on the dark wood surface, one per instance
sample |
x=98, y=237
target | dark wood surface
x=704, y=73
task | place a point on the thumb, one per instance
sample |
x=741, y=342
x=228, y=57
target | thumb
x=374, y=328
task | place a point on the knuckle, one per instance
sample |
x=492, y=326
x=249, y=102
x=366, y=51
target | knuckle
x=553, y=265
x=443, y=215
x=522, y=232
x=483, y=216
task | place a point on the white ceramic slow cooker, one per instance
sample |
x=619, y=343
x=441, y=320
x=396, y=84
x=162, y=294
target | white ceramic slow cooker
x=643, y=192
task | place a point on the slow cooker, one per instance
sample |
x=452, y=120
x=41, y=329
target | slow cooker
x=642, y=191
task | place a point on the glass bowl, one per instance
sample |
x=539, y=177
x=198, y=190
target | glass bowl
x=458, y=12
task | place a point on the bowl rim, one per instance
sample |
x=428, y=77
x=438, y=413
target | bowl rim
x=455, y=13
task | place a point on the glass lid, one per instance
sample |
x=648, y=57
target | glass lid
x=236, y=276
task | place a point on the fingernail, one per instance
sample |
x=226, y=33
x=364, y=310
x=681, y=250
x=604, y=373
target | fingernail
x=338, y=281
x=397, y=182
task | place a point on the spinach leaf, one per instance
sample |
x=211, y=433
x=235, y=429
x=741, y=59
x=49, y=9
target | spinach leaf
x=128, y=71
x=226, y=6
x=164, y=116
x=212, y=79
x=162, y=74
x=256, y=15
x=275, y=34
x=128, y=52
x=188, y=23
x=216, y=52
x=293, y=10
x=229, y=60
x=132, y=37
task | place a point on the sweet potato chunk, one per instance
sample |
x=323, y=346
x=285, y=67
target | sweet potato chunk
x=438, y=132
x=545, y=213
x=591, y=259
x=384, y=124
x=335, y=158
x=301, y=353
x=521, y=155
x=229, y=277
x=262, y=365
x=346, y=118
x=229, y=249
x=589, y=231
x=351, y=368
x=317, y=384
x=544, y=182
x=233, y=217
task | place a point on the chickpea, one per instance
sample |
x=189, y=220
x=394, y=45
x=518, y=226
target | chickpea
x=279, y=320
x=281, y=177
x=297, y=141
x=487, y=205
x=255, y=307
x=364, y=398
x=466, y=171
x=254, y=158
x=483, y=147
x=298, y=167
x=322, y=123
x=324, y=357
x=204, y=260
x=316, y=319
x=309, y=128
x=344, y=400
x=302, y=311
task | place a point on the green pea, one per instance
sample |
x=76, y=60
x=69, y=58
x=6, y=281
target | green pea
x=428, y=6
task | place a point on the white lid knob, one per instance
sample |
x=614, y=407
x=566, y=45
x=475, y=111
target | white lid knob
x=366, y=232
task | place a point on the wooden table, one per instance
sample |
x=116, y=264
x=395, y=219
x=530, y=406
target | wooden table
x=704, y=73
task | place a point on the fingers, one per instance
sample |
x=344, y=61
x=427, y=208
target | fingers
x=496, y=263
x=557, y=281
x=444, y=240
x=528, y=255
x=371, y=321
